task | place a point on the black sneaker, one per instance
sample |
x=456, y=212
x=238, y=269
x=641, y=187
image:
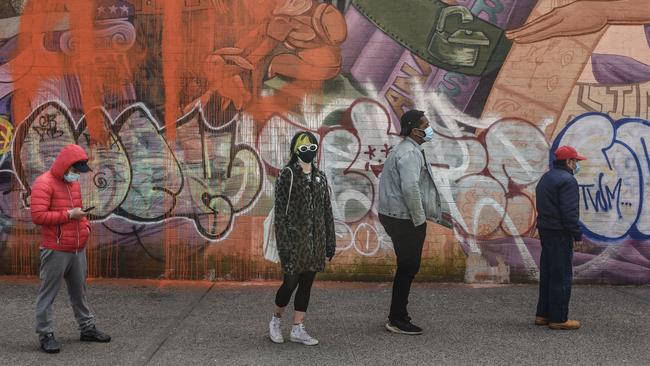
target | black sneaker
x=403, y=327
x=49, y=344
x=93, y=335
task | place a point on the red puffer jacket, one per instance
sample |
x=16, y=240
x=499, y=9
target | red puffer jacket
x=51, y=199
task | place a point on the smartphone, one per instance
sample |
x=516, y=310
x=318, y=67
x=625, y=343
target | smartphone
x=88, y=209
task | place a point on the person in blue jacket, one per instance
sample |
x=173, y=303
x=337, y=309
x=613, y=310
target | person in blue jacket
x=558, y=224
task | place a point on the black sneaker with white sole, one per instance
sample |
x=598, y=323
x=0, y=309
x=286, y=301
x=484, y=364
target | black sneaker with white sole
x=403, y=327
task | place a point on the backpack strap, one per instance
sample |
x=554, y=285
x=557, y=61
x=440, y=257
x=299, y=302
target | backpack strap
x=286, y=209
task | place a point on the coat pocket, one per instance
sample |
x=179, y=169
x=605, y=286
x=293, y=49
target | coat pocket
x=294, y=233
x=44, y=253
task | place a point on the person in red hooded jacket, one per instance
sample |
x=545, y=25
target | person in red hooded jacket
x=57, y=207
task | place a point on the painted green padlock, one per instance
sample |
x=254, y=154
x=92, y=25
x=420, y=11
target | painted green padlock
x=460, y=48
x=449, y=37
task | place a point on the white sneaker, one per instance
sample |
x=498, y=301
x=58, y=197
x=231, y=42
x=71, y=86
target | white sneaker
x=275, y=330
x=300, y=335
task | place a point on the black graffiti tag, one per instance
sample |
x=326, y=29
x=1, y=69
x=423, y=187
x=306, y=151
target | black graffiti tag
x=47, y=127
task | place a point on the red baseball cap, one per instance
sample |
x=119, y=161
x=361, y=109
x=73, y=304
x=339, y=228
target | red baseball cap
x=567, y=152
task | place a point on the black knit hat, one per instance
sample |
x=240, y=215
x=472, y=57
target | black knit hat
x=409, y=120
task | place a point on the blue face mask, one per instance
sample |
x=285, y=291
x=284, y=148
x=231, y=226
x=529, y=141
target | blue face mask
x=428, y=134
x=71, y=177
x=576, y=171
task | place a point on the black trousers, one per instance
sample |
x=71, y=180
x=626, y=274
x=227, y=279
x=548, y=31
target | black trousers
x=555, y=276
x=408, y=241
x=303, y=282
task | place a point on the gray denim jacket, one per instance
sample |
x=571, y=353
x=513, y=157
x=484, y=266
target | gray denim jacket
x=406, y=186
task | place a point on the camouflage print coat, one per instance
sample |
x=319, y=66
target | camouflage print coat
x=305, y=234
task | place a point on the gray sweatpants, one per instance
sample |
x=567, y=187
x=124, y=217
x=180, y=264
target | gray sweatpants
x=57, y=266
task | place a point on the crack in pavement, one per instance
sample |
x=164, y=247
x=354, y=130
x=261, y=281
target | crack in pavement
x=635, y=295
x=149, y=354
x=342, y=321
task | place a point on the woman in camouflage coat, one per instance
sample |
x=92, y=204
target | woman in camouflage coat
x=304, y=235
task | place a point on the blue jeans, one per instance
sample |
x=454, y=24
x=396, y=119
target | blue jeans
x=555, y=276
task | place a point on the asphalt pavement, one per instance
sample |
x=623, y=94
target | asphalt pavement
x=226, y=323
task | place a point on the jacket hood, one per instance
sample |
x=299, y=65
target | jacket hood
x=69, y=155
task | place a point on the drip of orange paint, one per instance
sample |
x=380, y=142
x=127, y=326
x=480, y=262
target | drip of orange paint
x=81, y=25
x=172, y=50
x=33, y=65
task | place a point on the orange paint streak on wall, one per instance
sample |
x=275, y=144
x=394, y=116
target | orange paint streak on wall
x=81, y=23
x=284, y=100
x=32, y=64
x=172, y=50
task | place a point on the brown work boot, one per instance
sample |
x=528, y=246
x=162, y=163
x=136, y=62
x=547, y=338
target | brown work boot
x=540, y=320
x=567, y=325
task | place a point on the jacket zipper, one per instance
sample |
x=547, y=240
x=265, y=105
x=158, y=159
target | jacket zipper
x=76, y=249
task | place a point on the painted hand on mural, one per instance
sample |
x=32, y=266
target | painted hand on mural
x=224, y=69
x=581, y=17
x=299, y=40
x=312, y=35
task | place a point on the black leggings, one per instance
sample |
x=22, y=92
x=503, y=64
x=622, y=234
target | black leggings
x=303, y=281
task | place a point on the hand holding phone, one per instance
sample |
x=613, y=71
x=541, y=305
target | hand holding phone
x=76, y=213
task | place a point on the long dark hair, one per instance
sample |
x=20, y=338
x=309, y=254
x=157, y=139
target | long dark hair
x=294, y=157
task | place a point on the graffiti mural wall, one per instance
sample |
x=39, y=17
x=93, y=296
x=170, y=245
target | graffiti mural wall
x=186, y=109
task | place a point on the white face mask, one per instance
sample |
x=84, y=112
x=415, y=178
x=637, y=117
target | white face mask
x=71, y=177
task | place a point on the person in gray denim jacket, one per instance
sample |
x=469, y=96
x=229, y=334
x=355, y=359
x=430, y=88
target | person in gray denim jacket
x=408, y=196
